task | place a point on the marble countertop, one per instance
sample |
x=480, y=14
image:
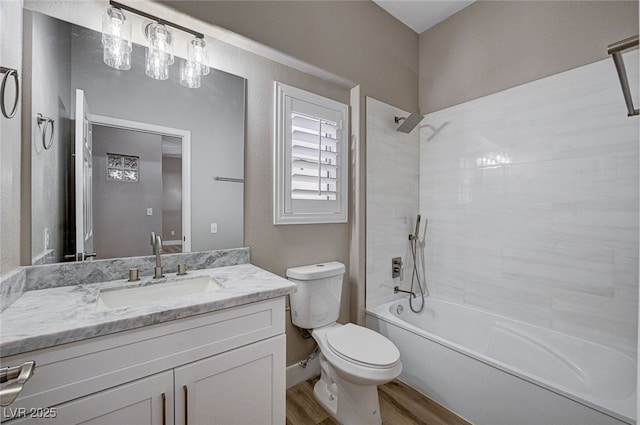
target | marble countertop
x=49, y=317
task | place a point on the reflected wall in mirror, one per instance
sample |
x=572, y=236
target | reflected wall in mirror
x=61, y=57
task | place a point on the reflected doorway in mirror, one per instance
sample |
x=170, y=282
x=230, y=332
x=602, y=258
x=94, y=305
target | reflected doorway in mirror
x=120, y=208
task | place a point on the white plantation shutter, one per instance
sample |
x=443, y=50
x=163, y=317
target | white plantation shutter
x=314, y=152
x=310, y=175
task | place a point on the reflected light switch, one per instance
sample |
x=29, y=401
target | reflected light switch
x=149, y=211
x=214, y=227
x=47, y=239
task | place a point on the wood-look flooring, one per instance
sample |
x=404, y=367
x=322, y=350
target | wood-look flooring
x=399, y=405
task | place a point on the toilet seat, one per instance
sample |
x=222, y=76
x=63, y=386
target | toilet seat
x=358, y=368
x=363, y=346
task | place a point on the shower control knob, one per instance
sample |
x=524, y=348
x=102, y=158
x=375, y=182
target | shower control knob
x=397, y=268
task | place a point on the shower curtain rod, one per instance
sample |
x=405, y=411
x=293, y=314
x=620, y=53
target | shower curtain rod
x=615, y=50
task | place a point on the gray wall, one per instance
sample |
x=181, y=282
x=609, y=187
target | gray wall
x=121, y=225
x=356, y=40
x=276, y=248
x=214, y=113
x=10, y=143
x=171, y=198
x=50, y=55
x=493, y=45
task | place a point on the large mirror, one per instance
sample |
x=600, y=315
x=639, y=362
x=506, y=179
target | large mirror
x=157, y=157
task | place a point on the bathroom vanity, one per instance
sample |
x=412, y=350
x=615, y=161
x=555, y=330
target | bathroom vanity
x=216, y=356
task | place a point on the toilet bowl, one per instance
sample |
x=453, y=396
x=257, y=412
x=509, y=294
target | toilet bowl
x=353, y=360
x=358, y=354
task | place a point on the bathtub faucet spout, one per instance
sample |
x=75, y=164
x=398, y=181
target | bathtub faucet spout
x=397, y=289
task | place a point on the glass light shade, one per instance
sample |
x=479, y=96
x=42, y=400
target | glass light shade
x=116, y=39
x=188, y=74
x=159, y=52
x=156, y=64
x=198, y=54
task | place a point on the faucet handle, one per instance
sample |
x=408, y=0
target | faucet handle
x=134, y=275
x=397, y=268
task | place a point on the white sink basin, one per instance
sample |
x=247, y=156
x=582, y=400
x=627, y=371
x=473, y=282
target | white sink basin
x=116, y=298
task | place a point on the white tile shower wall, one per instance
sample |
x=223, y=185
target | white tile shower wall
x=532, y=197
x=392, y=199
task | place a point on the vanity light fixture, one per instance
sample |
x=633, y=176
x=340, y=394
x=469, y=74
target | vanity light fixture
x=195, y=65
x=116, y=40
x=159, y=52
x=197, y=49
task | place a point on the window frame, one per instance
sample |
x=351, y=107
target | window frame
x=284, y=209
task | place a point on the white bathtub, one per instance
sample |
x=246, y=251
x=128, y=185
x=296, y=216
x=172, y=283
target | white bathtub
x=492, y=370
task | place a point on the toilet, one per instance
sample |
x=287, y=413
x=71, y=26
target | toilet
x=353, y=360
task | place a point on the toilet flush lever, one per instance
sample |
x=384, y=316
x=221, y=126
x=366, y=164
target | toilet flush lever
x=397, y=268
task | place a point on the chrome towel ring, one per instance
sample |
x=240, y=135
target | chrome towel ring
x=47, y=122
x=9, y=72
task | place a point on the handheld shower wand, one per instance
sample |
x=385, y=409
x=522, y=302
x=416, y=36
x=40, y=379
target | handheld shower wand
x=415, y=235
x=415, y=276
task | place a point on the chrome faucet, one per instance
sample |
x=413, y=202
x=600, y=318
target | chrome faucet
x=156, y=243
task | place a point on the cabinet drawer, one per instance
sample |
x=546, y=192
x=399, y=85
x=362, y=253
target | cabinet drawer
x=74, y=370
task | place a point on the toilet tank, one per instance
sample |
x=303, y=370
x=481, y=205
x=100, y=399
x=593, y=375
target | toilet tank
x=316, y=301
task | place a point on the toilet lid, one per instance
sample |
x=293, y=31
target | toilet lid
x=362, y=345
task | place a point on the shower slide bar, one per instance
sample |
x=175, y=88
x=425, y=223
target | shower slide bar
x=615, y=50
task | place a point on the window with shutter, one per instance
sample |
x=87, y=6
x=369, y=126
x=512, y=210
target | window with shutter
x=310, y=176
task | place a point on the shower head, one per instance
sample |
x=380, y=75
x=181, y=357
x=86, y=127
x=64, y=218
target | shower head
x=409, y=123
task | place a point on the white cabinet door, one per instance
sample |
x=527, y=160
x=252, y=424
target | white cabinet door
x=136, y=403
x=245, y=386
